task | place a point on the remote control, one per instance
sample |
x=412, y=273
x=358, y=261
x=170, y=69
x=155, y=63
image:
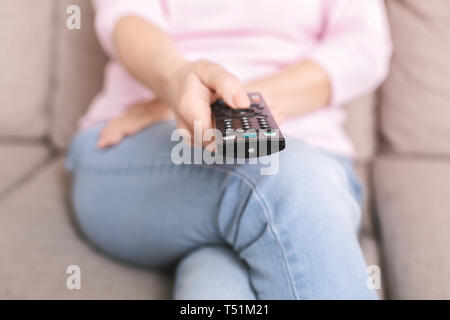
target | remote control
x=247, y=133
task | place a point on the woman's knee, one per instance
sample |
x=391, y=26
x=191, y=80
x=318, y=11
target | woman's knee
x=212, y=273
x=304, y=173
x=311, y=190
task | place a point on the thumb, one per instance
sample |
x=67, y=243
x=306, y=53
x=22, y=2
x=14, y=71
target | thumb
x=226, y=85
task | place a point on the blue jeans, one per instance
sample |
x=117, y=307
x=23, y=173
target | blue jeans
x=232, y=232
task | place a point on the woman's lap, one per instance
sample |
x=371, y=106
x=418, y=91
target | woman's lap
x=134, y=203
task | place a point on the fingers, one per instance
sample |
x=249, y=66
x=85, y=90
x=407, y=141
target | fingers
x=194, y=111
x=240, y=98
x=135, y=119
x=226, y=85
x=109, y=136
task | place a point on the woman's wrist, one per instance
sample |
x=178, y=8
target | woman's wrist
x=298, y=89
x=170, y=82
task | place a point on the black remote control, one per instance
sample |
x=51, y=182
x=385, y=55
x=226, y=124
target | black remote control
x=247, y=133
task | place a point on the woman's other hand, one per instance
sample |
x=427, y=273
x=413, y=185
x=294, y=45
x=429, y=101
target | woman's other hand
x=133, y=120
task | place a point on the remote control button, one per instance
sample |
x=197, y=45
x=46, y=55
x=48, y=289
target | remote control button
x=228, y=138
x=249, y=135
x=255, y=98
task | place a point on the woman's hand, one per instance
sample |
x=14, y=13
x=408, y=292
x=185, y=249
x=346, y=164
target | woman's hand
x=133, y=120
x=193, y=86
x=188, y=88
x=145, y=114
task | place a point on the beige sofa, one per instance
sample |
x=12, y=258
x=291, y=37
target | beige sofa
x=49, y=75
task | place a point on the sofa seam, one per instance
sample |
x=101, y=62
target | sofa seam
x=27, y=176
x=53, y=78
x=269, y=216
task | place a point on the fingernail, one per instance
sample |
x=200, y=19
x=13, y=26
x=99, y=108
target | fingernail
x=241, y=100
x=102, y=143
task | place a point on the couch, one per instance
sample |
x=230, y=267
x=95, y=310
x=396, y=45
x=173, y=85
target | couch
x=401, y=133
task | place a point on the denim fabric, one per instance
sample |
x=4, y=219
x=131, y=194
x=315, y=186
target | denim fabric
x=232, y=232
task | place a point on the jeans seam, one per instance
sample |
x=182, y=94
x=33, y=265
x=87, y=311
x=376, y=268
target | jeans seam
x=269, y=216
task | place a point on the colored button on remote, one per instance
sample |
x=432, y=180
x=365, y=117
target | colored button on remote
x=255, y=98
x=249, y=135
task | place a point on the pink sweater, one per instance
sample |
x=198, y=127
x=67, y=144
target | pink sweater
x=348, y=38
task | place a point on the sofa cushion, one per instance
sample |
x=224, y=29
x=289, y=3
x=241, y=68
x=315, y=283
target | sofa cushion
x=18, y=162
x=361, y=126
x=25, y=35
x=79, y=69
x=413, y=208
x=363, y=171
x=415, y=109
x=38, y=242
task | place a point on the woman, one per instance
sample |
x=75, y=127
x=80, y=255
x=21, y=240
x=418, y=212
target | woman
x=233, y=233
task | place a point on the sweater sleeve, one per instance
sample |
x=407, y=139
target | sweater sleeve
x=109, y=12
x=354, y=47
